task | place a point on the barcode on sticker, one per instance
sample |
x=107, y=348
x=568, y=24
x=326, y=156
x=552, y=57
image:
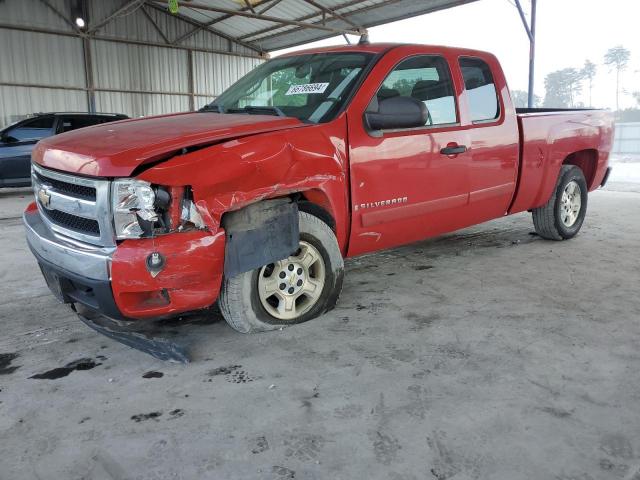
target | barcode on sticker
x=307, y=88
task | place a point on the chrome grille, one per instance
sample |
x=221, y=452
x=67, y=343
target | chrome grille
x=72, y=222
x=76, y=207
x=72, y=189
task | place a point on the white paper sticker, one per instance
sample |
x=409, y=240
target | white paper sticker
x=307, y=88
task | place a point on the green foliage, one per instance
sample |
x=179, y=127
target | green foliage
x=405, y=86
x=562, y=88
x=281, y=81
x=520, y=99
x=617, y=58
x=589, y=70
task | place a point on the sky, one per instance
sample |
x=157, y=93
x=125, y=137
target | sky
x=568, y=33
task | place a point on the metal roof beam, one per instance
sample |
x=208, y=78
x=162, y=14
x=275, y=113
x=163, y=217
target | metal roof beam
x=249, y=6
x=268, y=18
x=61, y=15
x=270, y=6
x=115, y=14
x=221, y=19
x=524, y=20
x=69, y=33
x=155, y=25
x=204, y=26
x=331, y=12
x=304, y=19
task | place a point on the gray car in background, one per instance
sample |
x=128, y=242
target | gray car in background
x=17, y=140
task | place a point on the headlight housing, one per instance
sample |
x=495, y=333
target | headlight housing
x=132, y=204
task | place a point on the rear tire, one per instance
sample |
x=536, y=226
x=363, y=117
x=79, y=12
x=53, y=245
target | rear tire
x=255, y=301
x=562, y=216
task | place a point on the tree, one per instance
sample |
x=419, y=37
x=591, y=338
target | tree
x=618, y=58
x=636, y=95
x=562, y=87
x=589, y=72
x=521, y=100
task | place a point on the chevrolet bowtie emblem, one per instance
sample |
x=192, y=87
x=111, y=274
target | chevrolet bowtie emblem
x=44, y=196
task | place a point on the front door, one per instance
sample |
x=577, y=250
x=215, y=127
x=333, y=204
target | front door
x=412, y=183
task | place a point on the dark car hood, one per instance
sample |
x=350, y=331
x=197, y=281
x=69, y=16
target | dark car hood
x=116, y=149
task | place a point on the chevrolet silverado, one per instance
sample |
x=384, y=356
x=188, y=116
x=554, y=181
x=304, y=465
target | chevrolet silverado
x=255, y=200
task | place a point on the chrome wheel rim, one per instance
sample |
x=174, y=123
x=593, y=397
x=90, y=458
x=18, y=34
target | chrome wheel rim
x=289, y=288
x=570, y=204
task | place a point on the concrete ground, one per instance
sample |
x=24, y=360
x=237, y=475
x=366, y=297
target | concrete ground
x=485, y=354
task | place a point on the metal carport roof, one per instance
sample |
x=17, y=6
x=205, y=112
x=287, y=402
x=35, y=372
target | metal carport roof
x=267, y=25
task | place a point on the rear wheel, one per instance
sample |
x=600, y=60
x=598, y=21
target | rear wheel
x=289, y=291
x=562, y=216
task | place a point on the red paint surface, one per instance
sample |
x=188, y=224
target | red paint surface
x=382, y=191
x=191, y=276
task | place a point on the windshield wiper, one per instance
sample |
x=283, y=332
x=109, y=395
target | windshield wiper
x=257, y=110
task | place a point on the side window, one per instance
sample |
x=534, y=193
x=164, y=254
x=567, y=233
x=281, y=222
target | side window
x=73, y=123
x=481, y=90
x=35, y=129
x=427, y=79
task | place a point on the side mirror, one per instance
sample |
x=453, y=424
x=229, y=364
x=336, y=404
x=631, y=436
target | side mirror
x=396, y=112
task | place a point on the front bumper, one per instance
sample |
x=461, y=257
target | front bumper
x=115, y=282
x=74, y=272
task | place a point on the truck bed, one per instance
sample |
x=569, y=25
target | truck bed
x=552, y=110
x=550, y=137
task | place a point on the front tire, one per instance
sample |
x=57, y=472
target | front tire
x=562, y=216
x=289, y=291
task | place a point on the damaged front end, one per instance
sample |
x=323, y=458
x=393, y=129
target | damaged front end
x=125, y=249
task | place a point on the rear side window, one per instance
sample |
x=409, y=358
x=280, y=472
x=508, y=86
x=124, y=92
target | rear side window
x=481, y=90
x=427, y=79
x=73, y=123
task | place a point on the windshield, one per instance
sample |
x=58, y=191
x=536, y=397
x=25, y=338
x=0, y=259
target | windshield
x=311, y=87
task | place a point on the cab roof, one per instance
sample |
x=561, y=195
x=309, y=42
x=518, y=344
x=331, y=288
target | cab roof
x=378, y=48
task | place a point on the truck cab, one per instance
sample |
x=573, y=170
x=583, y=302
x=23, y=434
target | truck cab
x=315, y=156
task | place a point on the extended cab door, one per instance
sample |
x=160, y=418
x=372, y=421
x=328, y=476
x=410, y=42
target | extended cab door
x=492, y=129
x=408, y=184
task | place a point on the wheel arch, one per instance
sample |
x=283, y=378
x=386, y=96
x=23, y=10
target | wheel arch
x=316, y=202
x=587, y=161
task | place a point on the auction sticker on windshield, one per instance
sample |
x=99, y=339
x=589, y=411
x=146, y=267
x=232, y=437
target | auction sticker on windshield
x=307, y=88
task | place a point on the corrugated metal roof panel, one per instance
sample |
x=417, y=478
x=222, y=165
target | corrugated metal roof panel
x=362, y=13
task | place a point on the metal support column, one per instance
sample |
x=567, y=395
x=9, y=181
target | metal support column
x=192, y=99
x=531, y=33
x=532, y=52
x=88, y=74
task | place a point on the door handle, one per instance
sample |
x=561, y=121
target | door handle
x=453, y=149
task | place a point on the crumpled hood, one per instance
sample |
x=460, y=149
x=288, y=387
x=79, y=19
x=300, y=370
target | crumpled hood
x=116, y=149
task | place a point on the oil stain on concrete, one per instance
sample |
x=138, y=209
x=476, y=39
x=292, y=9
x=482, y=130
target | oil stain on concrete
x=59, y=372
x=5, y=363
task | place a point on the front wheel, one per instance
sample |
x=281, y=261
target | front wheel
x=562, y=216
x=289, y=291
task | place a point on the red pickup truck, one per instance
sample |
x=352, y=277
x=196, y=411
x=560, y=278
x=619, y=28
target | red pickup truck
x=315, y=156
